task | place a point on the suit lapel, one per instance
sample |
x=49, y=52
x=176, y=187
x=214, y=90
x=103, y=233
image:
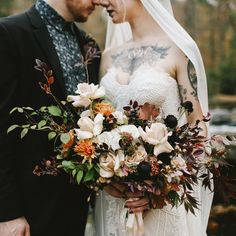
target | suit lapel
x=45, y=42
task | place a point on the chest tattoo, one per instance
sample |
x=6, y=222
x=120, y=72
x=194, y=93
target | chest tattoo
x=129, y=60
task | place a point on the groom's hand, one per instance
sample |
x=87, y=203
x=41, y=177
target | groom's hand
x=17, y=227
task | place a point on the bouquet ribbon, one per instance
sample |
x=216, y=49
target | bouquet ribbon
x=132, y=223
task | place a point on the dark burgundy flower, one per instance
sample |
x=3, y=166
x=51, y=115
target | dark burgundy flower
x=188, y=106
x=144, y=170
x=164, y=157
x=171, y=121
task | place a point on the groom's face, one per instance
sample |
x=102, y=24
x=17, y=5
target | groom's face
x=80, y=9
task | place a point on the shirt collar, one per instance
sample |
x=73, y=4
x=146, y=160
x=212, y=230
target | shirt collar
x=50, y=16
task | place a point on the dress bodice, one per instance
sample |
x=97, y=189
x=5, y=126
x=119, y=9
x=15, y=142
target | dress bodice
x=146, y=84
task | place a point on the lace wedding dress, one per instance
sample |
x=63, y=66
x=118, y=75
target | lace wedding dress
x=159, y=88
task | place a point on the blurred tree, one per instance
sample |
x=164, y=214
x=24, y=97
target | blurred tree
x=5, y=7
x=222, y=40
x=190, y=17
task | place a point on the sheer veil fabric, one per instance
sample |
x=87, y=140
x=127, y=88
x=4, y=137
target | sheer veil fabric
x=161, y=11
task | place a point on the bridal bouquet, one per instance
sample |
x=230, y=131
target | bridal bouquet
x=97, y=145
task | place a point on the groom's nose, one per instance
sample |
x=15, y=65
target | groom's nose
x=101, y=2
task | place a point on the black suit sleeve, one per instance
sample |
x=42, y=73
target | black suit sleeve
x=9, y=76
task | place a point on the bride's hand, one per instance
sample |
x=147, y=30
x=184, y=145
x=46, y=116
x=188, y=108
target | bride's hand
x=137, y=205
x=116, y=190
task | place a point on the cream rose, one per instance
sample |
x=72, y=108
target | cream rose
x=89, y=128
x=120, y=117
x=137, y=157
x=110, y=165
x=157, y=135
x=131, y=129
x=86, y=93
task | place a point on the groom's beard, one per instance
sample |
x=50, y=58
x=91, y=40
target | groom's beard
x=80, y=15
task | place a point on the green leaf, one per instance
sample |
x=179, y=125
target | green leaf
x=74, y=172
x=89, y=175
x=81, y=167
x=79, y=176
x=11, y=128
x=90, y=166
x=33, y=127
x=68, y=165
x=14, y=109
x=28, y=108
x=42, y=123
x=24, y=132
x=96, y=167
x=51, y=135
x=55, y=111
x=59, y=157
x=19, y=109
x=43, y=109
x=25, y=126
x=65, y=138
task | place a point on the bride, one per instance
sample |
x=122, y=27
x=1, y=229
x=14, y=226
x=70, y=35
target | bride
x=150, y=58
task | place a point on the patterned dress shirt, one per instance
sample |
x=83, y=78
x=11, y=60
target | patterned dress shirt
x=66, y=45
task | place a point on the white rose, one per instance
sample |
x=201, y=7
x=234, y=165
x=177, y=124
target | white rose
x=131, y=129
x=86, y=93
x=120, y=117
x=110, y=164
x=89, y=128
x=79, y=101
x=157, y=135
x=111, y=138
x=136, y=158
x=90, y=91
x=86, y=113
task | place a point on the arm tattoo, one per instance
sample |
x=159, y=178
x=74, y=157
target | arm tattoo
x=192, y=78
x=182, y=93
x=131, y=59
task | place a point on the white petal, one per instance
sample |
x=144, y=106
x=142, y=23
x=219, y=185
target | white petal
x=71, y=98
x=99, y=93
x=133, y=130
x=83, y=134
x=84, y=102
x=86, y=113
x=84, y=90
x=86, y=124
x=98, y=124
x=158, y=149
x=105, y=173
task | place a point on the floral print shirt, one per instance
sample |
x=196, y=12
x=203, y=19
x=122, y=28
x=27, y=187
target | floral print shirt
x=66, y=44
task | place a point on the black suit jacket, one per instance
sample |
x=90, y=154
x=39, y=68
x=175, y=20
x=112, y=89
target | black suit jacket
x=51, y=205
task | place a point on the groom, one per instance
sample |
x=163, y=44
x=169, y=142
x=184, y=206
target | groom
x=30, y=205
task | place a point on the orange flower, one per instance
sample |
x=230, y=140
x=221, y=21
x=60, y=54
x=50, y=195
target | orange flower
x=69, y=144
x=71, y=141
x=104, y=108
x=85, y=148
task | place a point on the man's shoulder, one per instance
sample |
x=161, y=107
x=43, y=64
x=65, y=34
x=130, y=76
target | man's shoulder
x=13, y=19
x=18, y=20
